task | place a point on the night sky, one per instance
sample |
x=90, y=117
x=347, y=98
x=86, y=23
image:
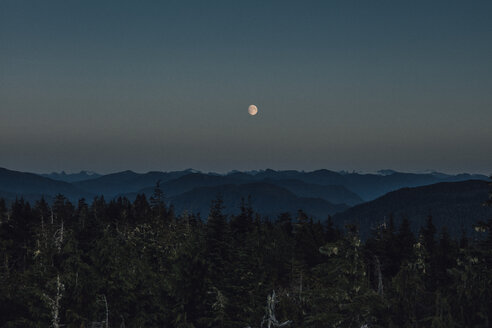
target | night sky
x=166, y=85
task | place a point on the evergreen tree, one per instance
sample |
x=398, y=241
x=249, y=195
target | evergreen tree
x=428, y=232
x=217, y=245
x=405, y=241
x=122, y=263
x=141, y=209
x=3, y=211
x=157, y=202
x=341, y=296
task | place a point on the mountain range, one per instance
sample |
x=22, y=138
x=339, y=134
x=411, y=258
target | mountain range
x=365, y=199
x=72, y=177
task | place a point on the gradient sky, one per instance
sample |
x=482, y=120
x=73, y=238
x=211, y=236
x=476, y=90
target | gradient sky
x=165, y=85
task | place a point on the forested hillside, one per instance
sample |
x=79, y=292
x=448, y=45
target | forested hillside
x=455, y=205
x=137, y=264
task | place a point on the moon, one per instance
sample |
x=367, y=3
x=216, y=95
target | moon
x=252, y=110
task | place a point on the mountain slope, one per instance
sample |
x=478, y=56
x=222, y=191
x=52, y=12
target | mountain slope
x=333, y=193
x=451, y=204
x=267, y=199
x=125, y=182
x=367, y=186
x=32, y=185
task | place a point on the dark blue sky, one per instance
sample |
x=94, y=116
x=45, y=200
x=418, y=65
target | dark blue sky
x=165, y=85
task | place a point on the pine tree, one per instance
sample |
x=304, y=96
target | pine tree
x=141, y=209
x=341, y=296
x=157, y=203
x=217, y=245
x=3, y=211
x=405, y=241
x=428, y=232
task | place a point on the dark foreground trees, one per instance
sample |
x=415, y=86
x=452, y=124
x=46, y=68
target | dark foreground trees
x=137, y=264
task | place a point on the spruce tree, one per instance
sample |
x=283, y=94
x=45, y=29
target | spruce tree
x=217, y=245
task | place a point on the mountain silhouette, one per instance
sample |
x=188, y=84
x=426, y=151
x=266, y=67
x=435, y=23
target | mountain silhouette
x=126, y=181
x=330, y=193
x=72, y=177
x=15, y=184
x=267, y=199
x=451, y=204
x=319, y=192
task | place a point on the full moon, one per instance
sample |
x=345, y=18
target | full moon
x=252, y=110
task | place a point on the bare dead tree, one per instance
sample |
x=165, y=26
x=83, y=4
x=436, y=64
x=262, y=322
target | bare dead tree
x=300, y=288
x=269, y=319
x=105, y=302
x=379, y=275
x=58, y=238
x=54, y=302
x=105, y=323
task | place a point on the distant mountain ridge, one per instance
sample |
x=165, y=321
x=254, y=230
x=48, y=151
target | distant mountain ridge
x=190, y=182
x=126, y=181
x=72, y=177
x=368, y=186
x=322, y=191
x=32, y=186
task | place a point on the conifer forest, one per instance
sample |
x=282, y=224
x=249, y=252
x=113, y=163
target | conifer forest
x=117, y=263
